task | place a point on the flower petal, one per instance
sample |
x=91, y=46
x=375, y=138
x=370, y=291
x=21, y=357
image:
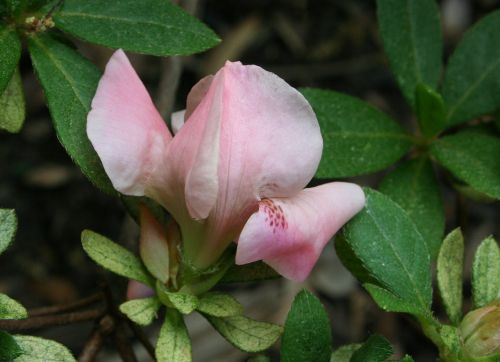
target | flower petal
x=177, y=121
x=125, y=128
x=290, y=233
x=196, y=94
x=137, y=290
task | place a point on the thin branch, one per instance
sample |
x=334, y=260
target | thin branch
x=123, y=345
x=141, y=336
x=96, y=340
x=51, y=320
x=84, y=302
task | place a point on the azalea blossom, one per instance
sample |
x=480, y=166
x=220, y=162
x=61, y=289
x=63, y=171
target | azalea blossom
x=246, y=147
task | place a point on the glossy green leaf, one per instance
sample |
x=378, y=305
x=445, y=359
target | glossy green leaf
x=246, y=334
x=375, y=349
x=249, y=273
x=12, y=107
x=174, y=344
x=11, y=309
x=9, y=349
x=414, y=187
x=69, y=82
x=36, y=349
x=8, y=227
x=344, y=353
x=390, y=247
x=10, y=52
x=358, y=138
x=473, y=158
x=431, y=111
x=486, y=273
x=351, y=261
x=141, y=311
x=450, y=265
x=155, y=27
x=390, y=302
x=411, y=34
x=183, y=302
x=472, y=78
x=307, y=335
x=114, y=257
x=219, y=304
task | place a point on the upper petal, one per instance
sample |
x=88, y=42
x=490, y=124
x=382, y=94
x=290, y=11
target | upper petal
x=125, y=128
x=290, y=233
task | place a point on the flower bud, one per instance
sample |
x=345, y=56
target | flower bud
x=480, y=333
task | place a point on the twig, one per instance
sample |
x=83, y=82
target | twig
x=141, y=336
x=96, y=339
x=51, y=320
x=84, y=302
x=123, y=345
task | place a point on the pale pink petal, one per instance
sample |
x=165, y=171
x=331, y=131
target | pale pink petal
x=137, y=290
x=153, y=246
x=125, y=128
x=177, y=120
x=290, y=233
x=270, y=146
x=196, y=94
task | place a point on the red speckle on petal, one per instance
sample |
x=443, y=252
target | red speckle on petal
x=275, y=217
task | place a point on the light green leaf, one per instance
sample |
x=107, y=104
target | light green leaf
x=450, y=265
x=344, y=353
x=183, y=302
x=10, y=52
x=472, y=78
x=141, y=311
x=249, y=273
x=69, y=82
x=390, y=302
x=431, y=111
x=12, y=107
x=473, y=158
x=11, y=309
x=36, y=349
x=307, y=335
x=358, y=139
x=486, y=273
x=9, y=349
x=451, y=339
x=155, y=27
x=375, y=349
x=219, y=305
x=246, y=334
x=8, y=227
x=114, y=257
x=414, y=187
x=174, y=344
x=390, y=247
x=411, y=34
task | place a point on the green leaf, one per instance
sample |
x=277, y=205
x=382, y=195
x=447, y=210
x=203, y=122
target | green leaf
x=219, y=305
x=10, y=52
x=249, y=273
x=351, y=261
x=375, y=349
x=472, y=78
x=344, y=353
x=358, y=138
x=390, y=302
x=183, y=302
x=390, y=247
x=246, y=334
x=9, y=349
x=414, y=187
x=431, y=111
x=36, y=349
x=141, y=311
x=486, y=273
x=114, y=257
x=450, y=265
x=307, y=335
x=411, y=34
x=11, y=309
x=69, y=82
x=174, y=344
x=155, y=27
x=451, y=339
x=473, y=158
x=8, y=227
x=12, y=107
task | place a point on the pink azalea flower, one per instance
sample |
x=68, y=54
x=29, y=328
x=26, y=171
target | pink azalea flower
x=235, y=171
